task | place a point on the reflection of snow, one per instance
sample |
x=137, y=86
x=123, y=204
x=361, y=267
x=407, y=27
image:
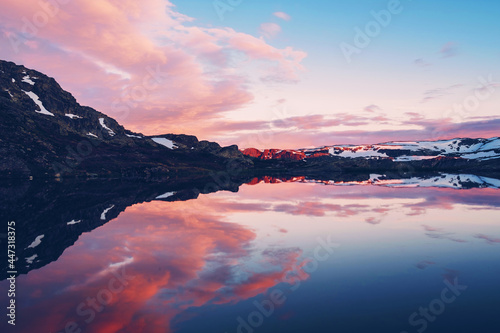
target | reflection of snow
x=29, y=260
x=103, y=214
x=166, y=195
x=443, y=180
x=36, y=242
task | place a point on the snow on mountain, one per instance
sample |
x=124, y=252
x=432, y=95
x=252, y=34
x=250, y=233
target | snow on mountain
x=27, y=79
x=411, y=151
x=37, y=101
x=356, y=151
x=450, y=146
x=110, y=131
x=165, y=142
x=483, y=149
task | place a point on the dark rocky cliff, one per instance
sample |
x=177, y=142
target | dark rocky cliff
x=44, y=132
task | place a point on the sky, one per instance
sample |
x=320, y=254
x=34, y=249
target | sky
x=271, y=74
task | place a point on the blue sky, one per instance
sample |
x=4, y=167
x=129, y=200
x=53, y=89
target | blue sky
x=277, y=73
x=428, y=45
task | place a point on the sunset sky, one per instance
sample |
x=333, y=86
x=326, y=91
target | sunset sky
x=271, y=74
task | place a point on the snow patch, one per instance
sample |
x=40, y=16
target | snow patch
x=8, y=91
x=492, y=182
x=29, y=260
x=13, y=80
x=443, y=180
x=133, y=136
x=484, y=155
x=355, y=151
x=110, y=131
x=35, y=99
x=412, y=158
x=166, y=195
x=465, y=148
x=103, y=214
x=27, y=79
x=494, y=143
x=36, y=242
x=73, y=222
x=165, y=142
x=90, y=134
x=72, y=116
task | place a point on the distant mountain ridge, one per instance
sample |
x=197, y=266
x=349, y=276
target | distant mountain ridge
x=465, y=148
x=45, y=133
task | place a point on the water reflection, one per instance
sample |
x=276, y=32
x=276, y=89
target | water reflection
x=185, y=266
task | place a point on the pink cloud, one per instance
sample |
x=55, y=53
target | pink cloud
x=317, y=131
x=104, y=52
x=449, y=50
x=283, y=16
x=269, y=30
x=491, y=240
x=421, y=62
x=372, y=108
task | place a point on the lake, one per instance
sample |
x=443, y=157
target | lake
x=276, y=256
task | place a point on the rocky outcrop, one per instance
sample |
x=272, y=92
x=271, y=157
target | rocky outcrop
x=44, y=132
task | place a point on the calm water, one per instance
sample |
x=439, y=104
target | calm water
x=287, y=257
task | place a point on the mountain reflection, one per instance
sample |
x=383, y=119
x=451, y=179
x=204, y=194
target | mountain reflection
x=121, y=257
x=175, y=256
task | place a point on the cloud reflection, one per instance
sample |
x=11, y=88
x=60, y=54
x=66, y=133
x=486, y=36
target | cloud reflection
x=185, y=255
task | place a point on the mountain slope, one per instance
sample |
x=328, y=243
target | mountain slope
x=45, y=132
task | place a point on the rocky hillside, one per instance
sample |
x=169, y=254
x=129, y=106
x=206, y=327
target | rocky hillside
x=44, y=132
